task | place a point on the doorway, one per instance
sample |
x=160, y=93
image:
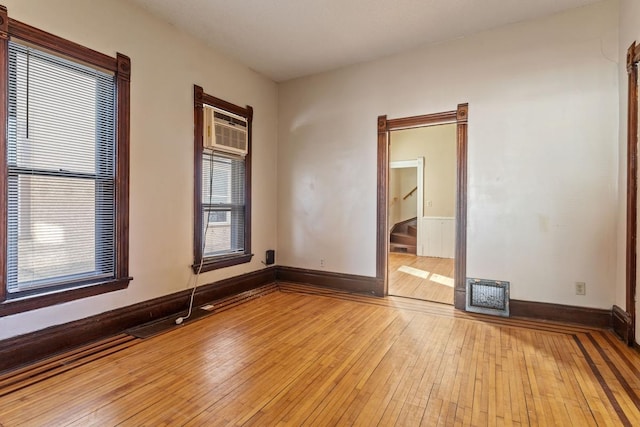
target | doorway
x=421, y=215
x=458, y=118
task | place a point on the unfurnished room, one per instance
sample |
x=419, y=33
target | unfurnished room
x=326, y=213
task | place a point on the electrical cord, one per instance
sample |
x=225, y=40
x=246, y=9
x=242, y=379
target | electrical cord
x=181, y=319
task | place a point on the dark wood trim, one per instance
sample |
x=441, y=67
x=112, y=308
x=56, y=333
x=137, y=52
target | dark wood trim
x=198, y=123
x=4, y=23
x=421, y=121
x=247, y=184
x=603, y=383
x=122, y=165
x=13, y=306
x=25, y=349
x=121, y=66
x=28, y=348
x=343, y=282
x=595, y=317
x=199, y=99
x=636, y=53
x=247, y=112
x=613, y=367
x=621, y=323
x=382, y=242
x=460, y=287
x=221, y=263
x=4, y=77
x=632, y=188
x=384, y=126
x=62, y=46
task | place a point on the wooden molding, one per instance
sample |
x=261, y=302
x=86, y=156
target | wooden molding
x=4, y=23
x=595, y=317
x=325, y=279
x=124, y=66
x=632, y=189
x=198, y=94
x=121, y=67
x=28, y=348
x=4, y=190
x=423, y=120
x=460, y=285
x=199, y=99
x=633, y=55
x=384, y=126
x=621, y=323
x=382, y=241
x=123, y=132
x=62, y=46
x=10, y=307
x=198, y=123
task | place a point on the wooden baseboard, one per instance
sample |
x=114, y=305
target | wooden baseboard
x=28, y=348
x=343, y=282
x=621, y=322
x=595, y=317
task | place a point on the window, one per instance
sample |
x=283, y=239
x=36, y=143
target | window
x=222, y=176
x=63, y=169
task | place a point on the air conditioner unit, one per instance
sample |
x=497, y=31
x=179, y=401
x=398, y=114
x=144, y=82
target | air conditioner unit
x=223, y=132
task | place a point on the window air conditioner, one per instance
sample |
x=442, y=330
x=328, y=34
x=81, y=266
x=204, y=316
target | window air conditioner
x=225, y=133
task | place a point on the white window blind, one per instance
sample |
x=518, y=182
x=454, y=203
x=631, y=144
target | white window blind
x=61, y=177
x=223, y=203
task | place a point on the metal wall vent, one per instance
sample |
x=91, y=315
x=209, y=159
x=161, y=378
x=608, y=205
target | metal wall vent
x=488, y=297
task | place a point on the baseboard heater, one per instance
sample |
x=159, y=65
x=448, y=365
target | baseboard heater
x=488, y=297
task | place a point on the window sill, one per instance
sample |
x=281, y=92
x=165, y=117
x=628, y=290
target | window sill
x=221, y=262
x=19, y=305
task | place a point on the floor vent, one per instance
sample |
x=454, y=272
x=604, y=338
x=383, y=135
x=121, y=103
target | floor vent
x=488, y=297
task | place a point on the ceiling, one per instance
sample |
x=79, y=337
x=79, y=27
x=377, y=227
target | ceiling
x=285, y=39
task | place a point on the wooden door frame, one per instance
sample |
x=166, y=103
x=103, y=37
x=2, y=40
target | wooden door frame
x=633, y=57
x=459, y=117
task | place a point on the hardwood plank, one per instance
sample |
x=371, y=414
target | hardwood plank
x=295, y=357
x=429, y=288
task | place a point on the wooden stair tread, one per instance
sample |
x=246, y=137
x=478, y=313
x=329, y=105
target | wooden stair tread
x=403, y=238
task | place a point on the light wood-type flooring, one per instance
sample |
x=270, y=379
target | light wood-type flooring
x=299, y=355
x=421, y=277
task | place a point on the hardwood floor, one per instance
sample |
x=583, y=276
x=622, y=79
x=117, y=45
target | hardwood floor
x=306, y=356
x=425, y=278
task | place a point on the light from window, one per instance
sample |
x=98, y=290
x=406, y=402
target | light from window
x=60, y=166
x=222, y=178
x=223, y=204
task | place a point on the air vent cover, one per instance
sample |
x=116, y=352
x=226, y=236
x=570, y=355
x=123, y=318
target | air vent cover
x=488, y=297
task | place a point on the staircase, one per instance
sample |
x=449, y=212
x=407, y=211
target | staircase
x=403, y=237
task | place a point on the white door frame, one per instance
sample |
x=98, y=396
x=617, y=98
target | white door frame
x=419, y=164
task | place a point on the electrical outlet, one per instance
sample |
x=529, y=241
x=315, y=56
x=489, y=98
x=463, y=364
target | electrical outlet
x=581, y=288
x=322, y=263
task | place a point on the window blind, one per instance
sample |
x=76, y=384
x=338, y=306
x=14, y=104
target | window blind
x=223, y=208
x=61, y=173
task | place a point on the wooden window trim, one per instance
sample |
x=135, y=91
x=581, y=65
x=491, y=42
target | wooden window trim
x=199, y=99
x=121, y=66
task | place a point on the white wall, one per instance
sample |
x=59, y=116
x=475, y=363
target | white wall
x=437, y=145
x=165, y=66
x=629, y=32
x=543, y=126
x=401, y=182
